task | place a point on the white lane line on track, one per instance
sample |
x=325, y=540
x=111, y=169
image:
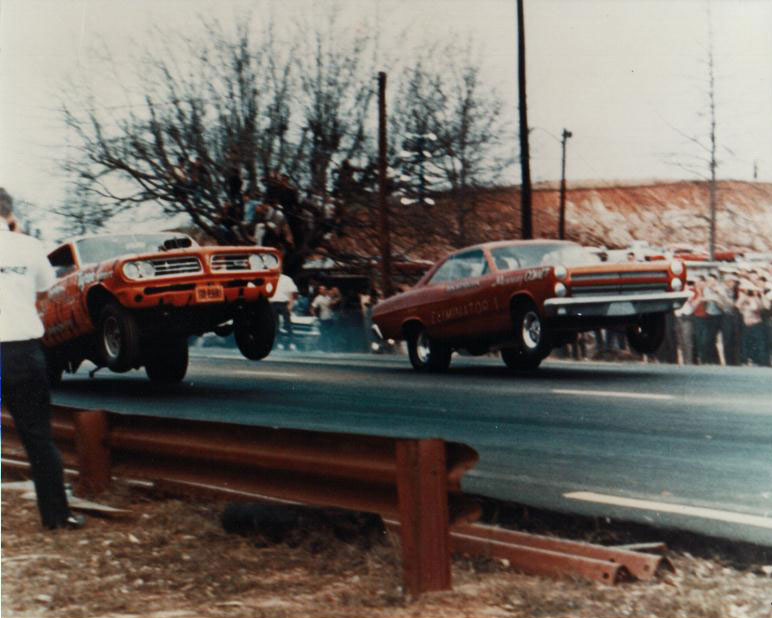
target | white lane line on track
x=678, y=509
x=265, y=374
x=571, y=391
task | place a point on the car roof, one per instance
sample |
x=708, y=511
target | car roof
x=116, y=234
x=513, y=243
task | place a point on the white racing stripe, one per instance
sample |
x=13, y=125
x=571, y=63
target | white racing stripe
x=571, y=391
x=678, y=509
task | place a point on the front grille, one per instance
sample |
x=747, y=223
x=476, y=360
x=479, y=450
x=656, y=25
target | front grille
x=173, y=266
x=589, y=284
x=182, y=287
x=231, y=262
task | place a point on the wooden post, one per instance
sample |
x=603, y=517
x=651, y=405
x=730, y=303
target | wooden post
x=91, y=428
x=422, y=488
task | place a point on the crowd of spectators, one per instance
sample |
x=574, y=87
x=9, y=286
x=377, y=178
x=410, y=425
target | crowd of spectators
x=728, y=318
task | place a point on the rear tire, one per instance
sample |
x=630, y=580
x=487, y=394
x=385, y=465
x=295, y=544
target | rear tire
x=117, y=338
x=647, y=335
x=427, y=354
x=166, y=361
x=255, y=330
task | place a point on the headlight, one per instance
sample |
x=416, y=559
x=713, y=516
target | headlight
x=138, y=270
x=560, y=272
x=560, y=290
x=676, y=284
x=255, y=262
x=677, y=267
x=270, y=260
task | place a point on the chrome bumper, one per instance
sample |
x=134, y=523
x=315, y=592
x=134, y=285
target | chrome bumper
x=614, y=305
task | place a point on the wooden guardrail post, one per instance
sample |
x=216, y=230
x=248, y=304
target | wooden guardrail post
x=91, y=428
x=422, y=489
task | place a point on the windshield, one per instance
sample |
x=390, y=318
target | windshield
x=92, y=250
x=513, y=257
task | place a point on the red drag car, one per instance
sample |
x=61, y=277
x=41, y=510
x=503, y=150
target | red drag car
x=526, y=297
x=129, y=300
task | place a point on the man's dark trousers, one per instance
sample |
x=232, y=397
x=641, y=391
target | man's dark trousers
x=26, y=394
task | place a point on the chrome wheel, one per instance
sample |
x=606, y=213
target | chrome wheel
x=117, y=341
x=423, y=347
x=111, y=335
x=531, y=330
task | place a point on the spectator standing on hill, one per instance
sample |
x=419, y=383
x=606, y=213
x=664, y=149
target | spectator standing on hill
x=731, y=322
x=685, y=326
x=180, y=180
x=707, y=322
x=25, y=274
x=251, y=210
x=751, y=305
x=199, y=179
x=233, y=183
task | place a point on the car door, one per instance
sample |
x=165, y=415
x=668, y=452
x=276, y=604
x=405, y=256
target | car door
x=460, y=303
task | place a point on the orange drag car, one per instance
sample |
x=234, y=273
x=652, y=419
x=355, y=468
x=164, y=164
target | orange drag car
x=523, y=298
x=124, y=301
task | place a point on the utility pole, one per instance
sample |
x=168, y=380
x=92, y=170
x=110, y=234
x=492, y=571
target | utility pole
x=525, y=158
x=382, y=203
x=713, y=145
x=562, y=223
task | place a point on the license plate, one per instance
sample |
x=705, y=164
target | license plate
x=210, y=293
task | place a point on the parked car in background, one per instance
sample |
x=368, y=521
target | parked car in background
x=523, y=298
x=125, y=301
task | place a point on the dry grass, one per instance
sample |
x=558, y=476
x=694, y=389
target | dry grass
x=172, y=559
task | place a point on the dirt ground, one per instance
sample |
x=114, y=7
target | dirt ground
x=172, y=558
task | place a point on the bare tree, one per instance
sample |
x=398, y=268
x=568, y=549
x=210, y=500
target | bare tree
x=233, y=114
x=464, y=139
x=289, y=117
x=81, y=213
x=707, y=145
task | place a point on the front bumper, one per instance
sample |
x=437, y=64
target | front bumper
x=204, y=291
x=614, y=305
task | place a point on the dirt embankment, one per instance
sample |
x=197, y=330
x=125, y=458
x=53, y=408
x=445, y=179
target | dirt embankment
x=171, y=558
x=600, y=213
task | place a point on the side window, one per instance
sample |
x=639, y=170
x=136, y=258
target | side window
x=471, y=264
x=62, y=260
x=462, y=266
x=445, y=272
x=505, y=259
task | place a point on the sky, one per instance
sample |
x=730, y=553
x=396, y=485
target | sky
x=628, y=78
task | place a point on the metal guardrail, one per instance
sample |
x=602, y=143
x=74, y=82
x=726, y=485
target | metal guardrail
x=416, y=481
x=413, y=484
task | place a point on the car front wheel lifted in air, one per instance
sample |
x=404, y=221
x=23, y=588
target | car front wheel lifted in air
x=530, y=336
x=255, y=330
x=166, y=361
x=647, y=334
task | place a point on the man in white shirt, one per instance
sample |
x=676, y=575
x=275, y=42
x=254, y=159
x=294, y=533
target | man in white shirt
x=281, y=303
x=323, y=308
x=24, y=274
